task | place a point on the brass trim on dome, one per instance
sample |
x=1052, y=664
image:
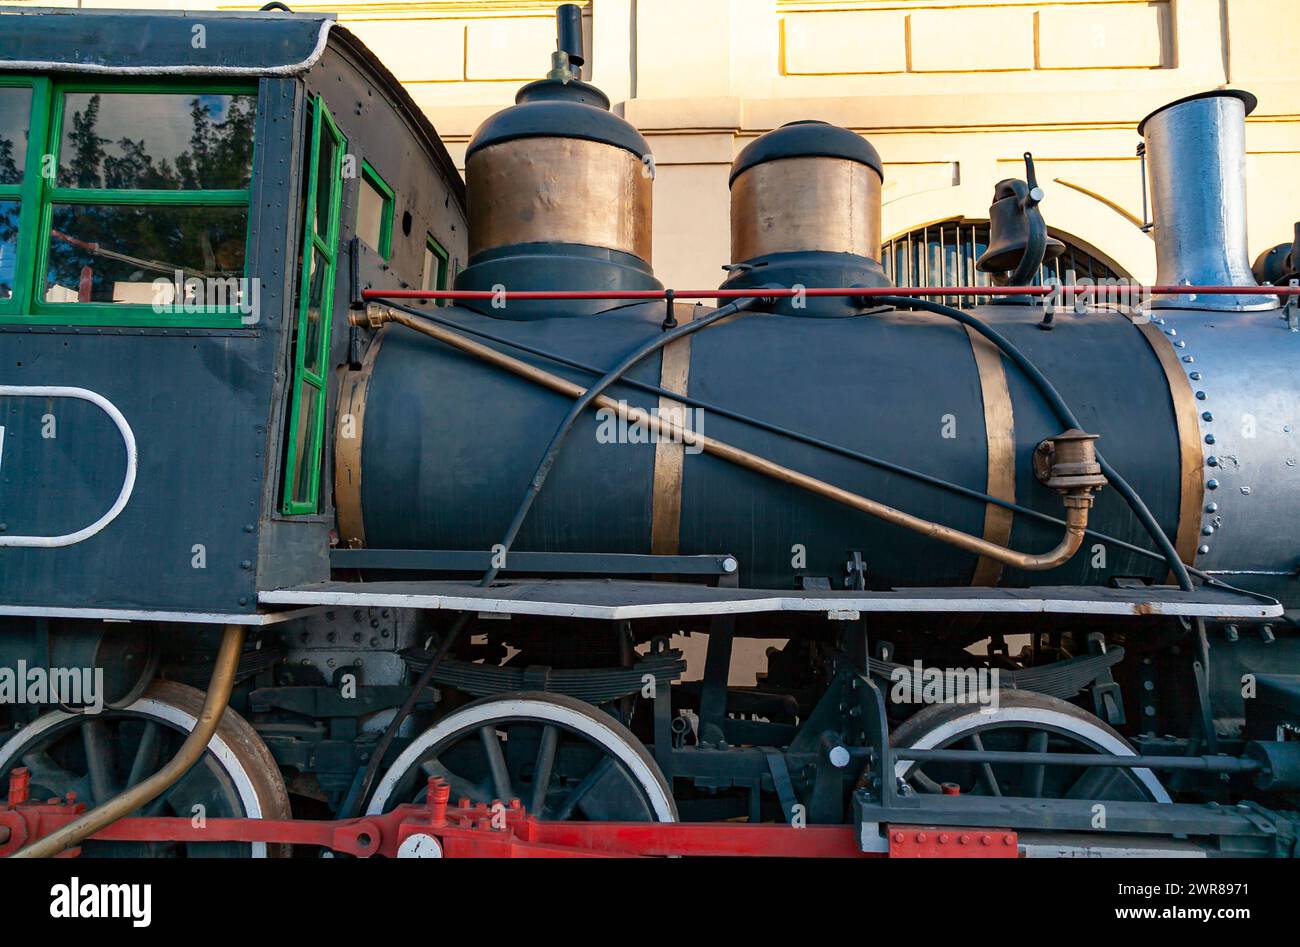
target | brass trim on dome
x=559, y=190
x=814, y=203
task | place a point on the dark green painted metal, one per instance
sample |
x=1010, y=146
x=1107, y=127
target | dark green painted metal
x=809, y=268
x=549, y=108
x=562, y=563
x=876, y=384
x=804, y=139
x=108, y=40
x=209, y=406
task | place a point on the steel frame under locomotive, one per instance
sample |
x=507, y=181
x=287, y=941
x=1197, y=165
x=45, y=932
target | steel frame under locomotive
x=307, y=525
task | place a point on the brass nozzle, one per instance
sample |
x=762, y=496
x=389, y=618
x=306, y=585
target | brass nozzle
x=1068, y=464
x=372, y=317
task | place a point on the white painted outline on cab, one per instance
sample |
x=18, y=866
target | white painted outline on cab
x=128, y=482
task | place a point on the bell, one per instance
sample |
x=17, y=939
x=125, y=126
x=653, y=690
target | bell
x=1009, y=229
x=1280, y=264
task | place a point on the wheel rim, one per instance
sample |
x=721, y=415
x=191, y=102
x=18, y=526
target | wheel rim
x=562, y=758
x=97, y=756
x=1049, y=726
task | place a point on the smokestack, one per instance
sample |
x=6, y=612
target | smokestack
x=568, y=21
x=1196, y=164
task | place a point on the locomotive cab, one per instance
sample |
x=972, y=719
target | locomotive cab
x=177, y=242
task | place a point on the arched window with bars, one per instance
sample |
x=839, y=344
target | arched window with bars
x=944, y=254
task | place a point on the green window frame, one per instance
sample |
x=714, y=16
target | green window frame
x=40, y=195
x=372, y=177
x=442, y=260
x=307, y=407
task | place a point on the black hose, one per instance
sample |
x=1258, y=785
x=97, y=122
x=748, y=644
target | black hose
x=1064, y=415
x=390, y=732
x=521, y=513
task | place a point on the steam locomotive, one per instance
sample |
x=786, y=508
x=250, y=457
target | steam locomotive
x=331, y=542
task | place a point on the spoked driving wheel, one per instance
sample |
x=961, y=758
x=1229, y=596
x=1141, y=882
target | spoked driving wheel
x=96, y=756
x=1023, y=721
x=561, y=757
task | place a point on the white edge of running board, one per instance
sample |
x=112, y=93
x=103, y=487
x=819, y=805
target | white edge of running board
x=749, y=606
x=135, y=614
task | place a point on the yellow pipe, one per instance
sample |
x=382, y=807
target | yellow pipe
x=143, y=793
x=1077, y=501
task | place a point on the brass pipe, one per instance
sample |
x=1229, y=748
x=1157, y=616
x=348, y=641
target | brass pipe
x=1077, y=501
x=143, y=793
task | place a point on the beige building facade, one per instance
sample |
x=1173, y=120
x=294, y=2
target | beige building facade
x=950, y=92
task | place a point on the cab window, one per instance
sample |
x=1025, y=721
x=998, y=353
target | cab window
x=134, y=210
x=375, y=212
x=15, y=124
x=306, y=420
x=436, y=265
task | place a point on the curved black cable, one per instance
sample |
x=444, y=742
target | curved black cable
x=579, y=406
x=1064, y=415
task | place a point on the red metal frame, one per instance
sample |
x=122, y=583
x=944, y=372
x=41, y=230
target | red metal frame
x=864, y=292
x=502, y=831
x=929, y=841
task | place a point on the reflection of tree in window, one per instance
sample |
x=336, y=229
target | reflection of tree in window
x=15, y=119
x=218, y=156
x=15, y=122
x=87, y=147
x=168, y=143
x=8, y=167
x=8, y=247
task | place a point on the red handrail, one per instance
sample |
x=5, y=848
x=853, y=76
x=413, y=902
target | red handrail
x=813, y=291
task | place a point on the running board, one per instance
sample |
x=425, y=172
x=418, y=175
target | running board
x=627, y=599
